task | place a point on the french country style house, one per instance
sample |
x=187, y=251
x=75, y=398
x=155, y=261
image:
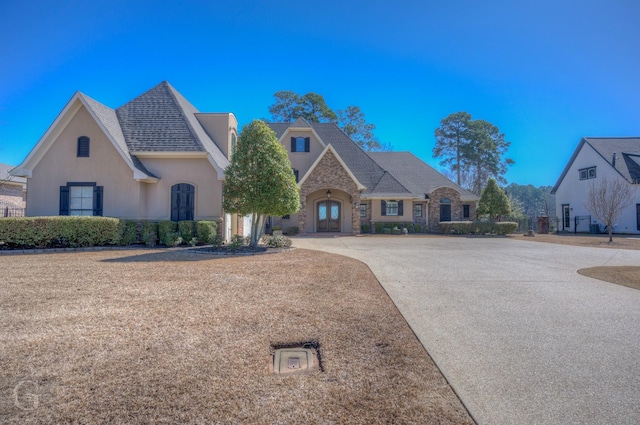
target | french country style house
x=158, y=158
x=596, y=158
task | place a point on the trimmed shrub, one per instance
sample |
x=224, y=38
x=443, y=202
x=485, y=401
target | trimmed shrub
x=293, y=230
x=129, y=233
x=365, y=228
x=165, y=227
x=478, y=227
x=216, y=241
x=417, y=228
x=172, y=239
x=149, y=233
x=277, y=241
x=206, y=231
x=63, y=231
x=185, y=228
x=379, y=227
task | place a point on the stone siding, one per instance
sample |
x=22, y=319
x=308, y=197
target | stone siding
x=456, y=207
x=330, y=174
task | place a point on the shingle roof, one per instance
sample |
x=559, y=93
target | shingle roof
x=162, y=120
x=627, y=150
x=5, y=176
x=363, y=167
x=109, y=120
x=416, y=175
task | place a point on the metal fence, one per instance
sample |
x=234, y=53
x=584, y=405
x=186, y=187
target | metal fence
x=531, y=223
x=11, y=212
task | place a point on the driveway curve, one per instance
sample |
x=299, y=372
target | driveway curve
x=519, y=334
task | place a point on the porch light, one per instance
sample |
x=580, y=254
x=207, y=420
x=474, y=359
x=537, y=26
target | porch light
x=328, y=194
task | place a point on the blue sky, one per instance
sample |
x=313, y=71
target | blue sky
x=545, y=72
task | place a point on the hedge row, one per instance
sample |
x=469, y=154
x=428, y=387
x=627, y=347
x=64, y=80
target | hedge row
x=67, y=231
x=478, y=227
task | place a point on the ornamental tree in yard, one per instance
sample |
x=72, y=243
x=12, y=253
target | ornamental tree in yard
x=493, y=202
x=607, y=199
x=259, y=181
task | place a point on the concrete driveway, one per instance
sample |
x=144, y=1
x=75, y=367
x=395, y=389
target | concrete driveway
x=521, y=337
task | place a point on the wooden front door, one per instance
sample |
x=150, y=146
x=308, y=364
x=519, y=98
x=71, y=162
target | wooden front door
x=328, y=213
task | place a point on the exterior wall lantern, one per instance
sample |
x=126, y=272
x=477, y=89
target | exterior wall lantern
x=328, y=194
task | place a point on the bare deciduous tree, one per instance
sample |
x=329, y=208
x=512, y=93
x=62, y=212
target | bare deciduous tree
x=606, y=199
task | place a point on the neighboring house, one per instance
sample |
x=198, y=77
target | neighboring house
x=158, y=158
x=342, y=187
x=12, y=192
x=596, y=158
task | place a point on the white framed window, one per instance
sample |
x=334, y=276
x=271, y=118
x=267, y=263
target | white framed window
x=81, y=200
x=300, y=144
x=363, y=210
x=392, y=207
x=587, y=173
x=417, y=210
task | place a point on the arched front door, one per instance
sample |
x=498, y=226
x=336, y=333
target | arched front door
x=328, y=213
x=182, y=202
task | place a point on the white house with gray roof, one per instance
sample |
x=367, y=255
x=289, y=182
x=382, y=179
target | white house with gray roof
x=596, y=158
x=158, y=158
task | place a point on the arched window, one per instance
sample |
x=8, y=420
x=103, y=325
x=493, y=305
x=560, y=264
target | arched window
x=83, y=147
x=233, y=144
x=182, y=202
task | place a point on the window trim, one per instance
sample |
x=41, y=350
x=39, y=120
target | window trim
x=417, y=207
x=65, y=198
x=363, y=210
x=587, y=173
x=294, y=144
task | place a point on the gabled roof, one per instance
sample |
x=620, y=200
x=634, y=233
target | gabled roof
x=104, y=117
x=162, y=120
x=627, y=150
x=5, y=177
x=416, y=175
x=361, y=165
x=329, y=148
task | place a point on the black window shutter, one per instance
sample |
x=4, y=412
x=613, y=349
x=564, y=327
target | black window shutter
x=189, y=203
x=293, y=144
x=400, y=208
x=83, y=147
x=97, y=200
x=175, y=202
x=64, y=200
x=307, y=144
x=296, y=173
x=383, y=207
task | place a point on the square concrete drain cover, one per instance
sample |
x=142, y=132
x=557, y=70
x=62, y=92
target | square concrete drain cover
x=289, y=361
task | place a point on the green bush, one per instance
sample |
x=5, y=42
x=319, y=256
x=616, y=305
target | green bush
x=379, y=227
x=478, y=227
x=216, y=241
x=277, y=241
x=172, y=239
x=165, y=227
x=149, y=233
x=417, y=228
x=293, y=230
x=186, y=229
x=63, y=231
x=206, y=231
x=237, y=241
x=365, y=228
x=129, y=233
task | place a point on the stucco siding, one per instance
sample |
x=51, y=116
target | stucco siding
x=302, y=161
x=60, y=165
x=194, y=171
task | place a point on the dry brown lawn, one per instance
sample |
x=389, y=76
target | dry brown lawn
x=154, y=336
x=594, y=241
x=622, y=275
